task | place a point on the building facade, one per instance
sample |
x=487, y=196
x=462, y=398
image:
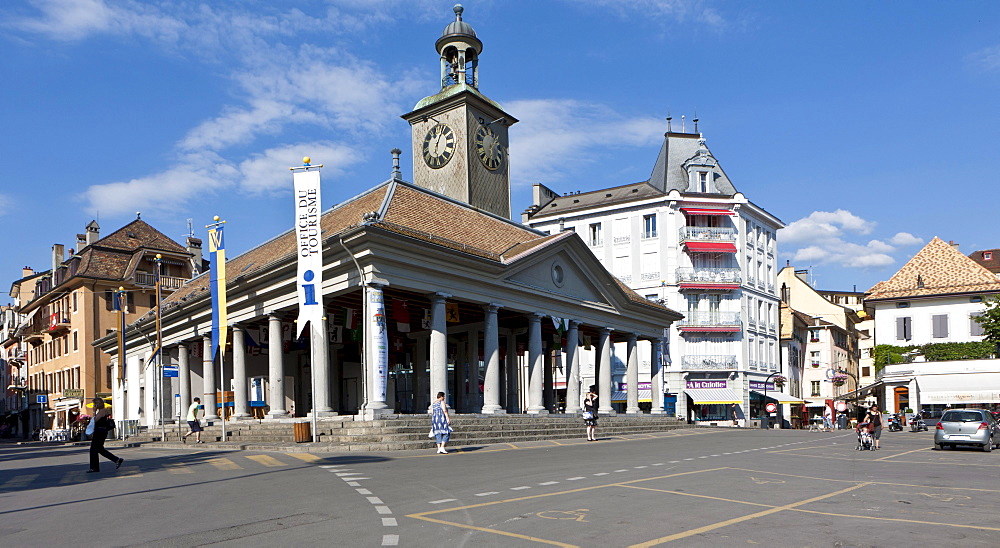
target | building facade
x=687, y=238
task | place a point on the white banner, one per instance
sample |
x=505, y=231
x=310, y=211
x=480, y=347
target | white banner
x=379, y=341
x=309, y=242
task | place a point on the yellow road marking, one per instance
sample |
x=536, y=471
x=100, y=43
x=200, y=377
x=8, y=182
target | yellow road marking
x=266, y=460
x=696, y=495
x=18, y=481
x=921, y=522
x=486, y=530
x=901, y=454
x=177, y=468
x=728, y=522
x=308, y=457
x=871, y=482
x=224, y=464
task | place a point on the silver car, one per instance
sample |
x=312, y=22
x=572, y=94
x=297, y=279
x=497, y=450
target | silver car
x=967, y=427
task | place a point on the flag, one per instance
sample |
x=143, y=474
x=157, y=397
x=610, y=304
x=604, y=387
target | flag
x=401, y=313
x=309, y=241
x=350, y=318
x=217, y=250
x=119, y=301
x=425, y=322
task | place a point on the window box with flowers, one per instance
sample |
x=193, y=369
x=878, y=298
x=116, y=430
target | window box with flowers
x=838, y=379
x=779, y=381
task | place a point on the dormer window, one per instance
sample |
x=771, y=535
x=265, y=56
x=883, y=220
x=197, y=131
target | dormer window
x=702, y=181
x=987, y=255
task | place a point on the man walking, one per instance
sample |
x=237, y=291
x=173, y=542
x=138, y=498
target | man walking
x=194, y=426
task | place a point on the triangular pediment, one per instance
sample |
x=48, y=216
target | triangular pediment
x=565, y=273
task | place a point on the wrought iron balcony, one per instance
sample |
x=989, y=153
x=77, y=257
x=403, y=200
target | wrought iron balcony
x=722, y=276
x=166, y=282
x=711, y=321
x=707, y=234
x=709, y=362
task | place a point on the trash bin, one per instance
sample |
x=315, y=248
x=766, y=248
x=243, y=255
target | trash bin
x=302, y=432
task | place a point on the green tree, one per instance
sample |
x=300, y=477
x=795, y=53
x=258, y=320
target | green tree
x=990, y=320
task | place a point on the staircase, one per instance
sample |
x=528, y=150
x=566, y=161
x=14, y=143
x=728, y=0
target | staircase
x=400, y=432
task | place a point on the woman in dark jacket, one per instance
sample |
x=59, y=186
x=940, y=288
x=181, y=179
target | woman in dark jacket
x=102, y=423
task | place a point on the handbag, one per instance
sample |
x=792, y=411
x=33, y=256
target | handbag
x=90, y=427
x=431, y=433
x=587, y=415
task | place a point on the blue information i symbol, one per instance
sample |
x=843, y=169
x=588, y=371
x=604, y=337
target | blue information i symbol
x=310, y=289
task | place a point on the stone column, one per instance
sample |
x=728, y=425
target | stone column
x=491, y=355
x=459, y=374
x=474, y=403
x=337, y=376
x=241, y=409
x=208, y=374
x=420, y=388
x=319, y=345
x=632, y=376
x=548, y=379
x=438, y=347
x=536, y=375
x=275, y=369
x=184, y=379
x=604, y=374
x=656, y=376
x=572, y=364
x=376, y=349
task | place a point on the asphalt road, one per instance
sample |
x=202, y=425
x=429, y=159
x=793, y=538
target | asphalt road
x=706, y=487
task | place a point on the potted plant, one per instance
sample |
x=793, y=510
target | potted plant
x=839, y=379
x=779, y=381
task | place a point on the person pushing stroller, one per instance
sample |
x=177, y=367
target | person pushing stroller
x=866, y=442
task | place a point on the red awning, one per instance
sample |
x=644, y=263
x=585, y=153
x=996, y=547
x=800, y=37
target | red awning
x=711, y=247
x=714, y=329
x=706, y=211
x=685, y=285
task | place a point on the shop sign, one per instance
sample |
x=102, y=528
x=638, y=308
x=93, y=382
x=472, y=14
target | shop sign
x=694, y=385
x=622, y=386
x=761, y=385
x=170, y=371
x=41, y=399
x=73, y=393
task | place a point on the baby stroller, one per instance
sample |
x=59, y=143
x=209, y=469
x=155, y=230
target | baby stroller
x=865, y=440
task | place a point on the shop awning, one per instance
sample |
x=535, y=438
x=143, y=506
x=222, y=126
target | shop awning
x=713, y=395
x=711, y=247
x=621, y=396
x=860, y=393
x=778, y=396
x=959, y=388
x=707, y=211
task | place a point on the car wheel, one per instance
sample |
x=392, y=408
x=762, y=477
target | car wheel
x=941, y=447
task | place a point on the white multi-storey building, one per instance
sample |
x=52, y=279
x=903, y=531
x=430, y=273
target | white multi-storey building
x=687, y=238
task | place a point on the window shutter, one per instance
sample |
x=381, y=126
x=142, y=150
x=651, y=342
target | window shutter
x=975, y=329
x=940, y=326
x=903, y=329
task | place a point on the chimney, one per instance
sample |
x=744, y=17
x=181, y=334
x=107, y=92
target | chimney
x=58, y=256
x=953, y=244
x=27, y=271
x=802, y=275
x=397, y=175
x=194, y=248
x=81, y=241
x=93, y=232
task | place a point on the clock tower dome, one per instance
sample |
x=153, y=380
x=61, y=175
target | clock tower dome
x=459, y=136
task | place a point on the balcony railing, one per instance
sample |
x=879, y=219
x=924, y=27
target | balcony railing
x=707, y=234
x=648, y=276
x=716, y=362
x=623, y=239
x=166, y=282
x=710, y=319
x=648, y=234
x=709, y=275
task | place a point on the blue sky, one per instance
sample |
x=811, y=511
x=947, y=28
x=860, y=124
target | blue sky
x=868, y=127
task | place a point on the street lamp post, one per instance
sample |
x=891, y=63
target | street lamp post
x=765, y=418
x=857, y=386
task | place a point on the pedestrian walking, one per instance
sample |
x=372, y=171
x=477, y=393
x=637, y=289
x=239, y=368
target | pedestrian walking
x=874, y=420
x=101, y=423
x=827, y=418
x=194, y=425
x=440, y=423
x=590, y=413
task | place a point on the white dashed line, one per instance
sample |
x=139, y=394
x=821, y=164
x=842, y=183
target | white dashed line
x=353, y=484
x=374, y=500
x=703, y=457
x=617, y=471
x=715, y=455
x=637, y=467
x=601, y=474
x=342, y=474
x=658, y=464
x=363, y=491
x=389, y=522
x=383, y=510
x=689, y=459
x=549, y=483
x=519, y=488
x=330, y=466
x=486, y=494
x=390, y=540
x=674, y=462
x=442, y=501
x=576, y=478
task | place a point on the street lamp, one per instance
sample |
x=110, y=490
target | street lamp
x=856, y=386
x=764, y=419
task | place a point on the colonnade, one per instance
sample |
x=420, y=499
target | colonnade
x=435, y=353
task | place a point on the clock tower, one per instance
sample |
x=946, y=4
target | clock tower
x=459, y=136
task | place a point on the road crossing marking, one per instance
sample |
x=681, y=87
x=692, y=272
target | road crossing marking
x=442, y=501
x=389, y=522
x=308, y=457
x=374, y=500
x=549, y=483
x=390, y=540
x=520, y=488
x=383, y=510
x=178, y=468
x=19, y=481
x=576, y=478
x=486, y=494
x=266, y=460
x=353, y=484
x=223, y=464
x=601, y=474
x=363, y=491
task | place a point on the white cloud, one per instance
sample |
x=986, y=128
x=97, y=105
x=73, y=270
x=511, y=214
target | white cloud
x=69, y=20
x=825, y=226
x=267, y=172
x=905, y=239
x=559, y=138
x=987, y=59
x=5, y=204
x=674, y=10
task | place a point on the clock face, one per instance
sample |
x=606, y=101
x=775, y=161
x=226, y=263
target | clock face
x=439, y=146
x=488, y=148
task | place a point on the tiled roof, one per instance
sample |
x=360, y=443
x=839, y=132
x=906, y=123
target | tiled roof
x=992, y=264
x=412, y=212
x=937, y=269
x=597, y=198
x=109, y=258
